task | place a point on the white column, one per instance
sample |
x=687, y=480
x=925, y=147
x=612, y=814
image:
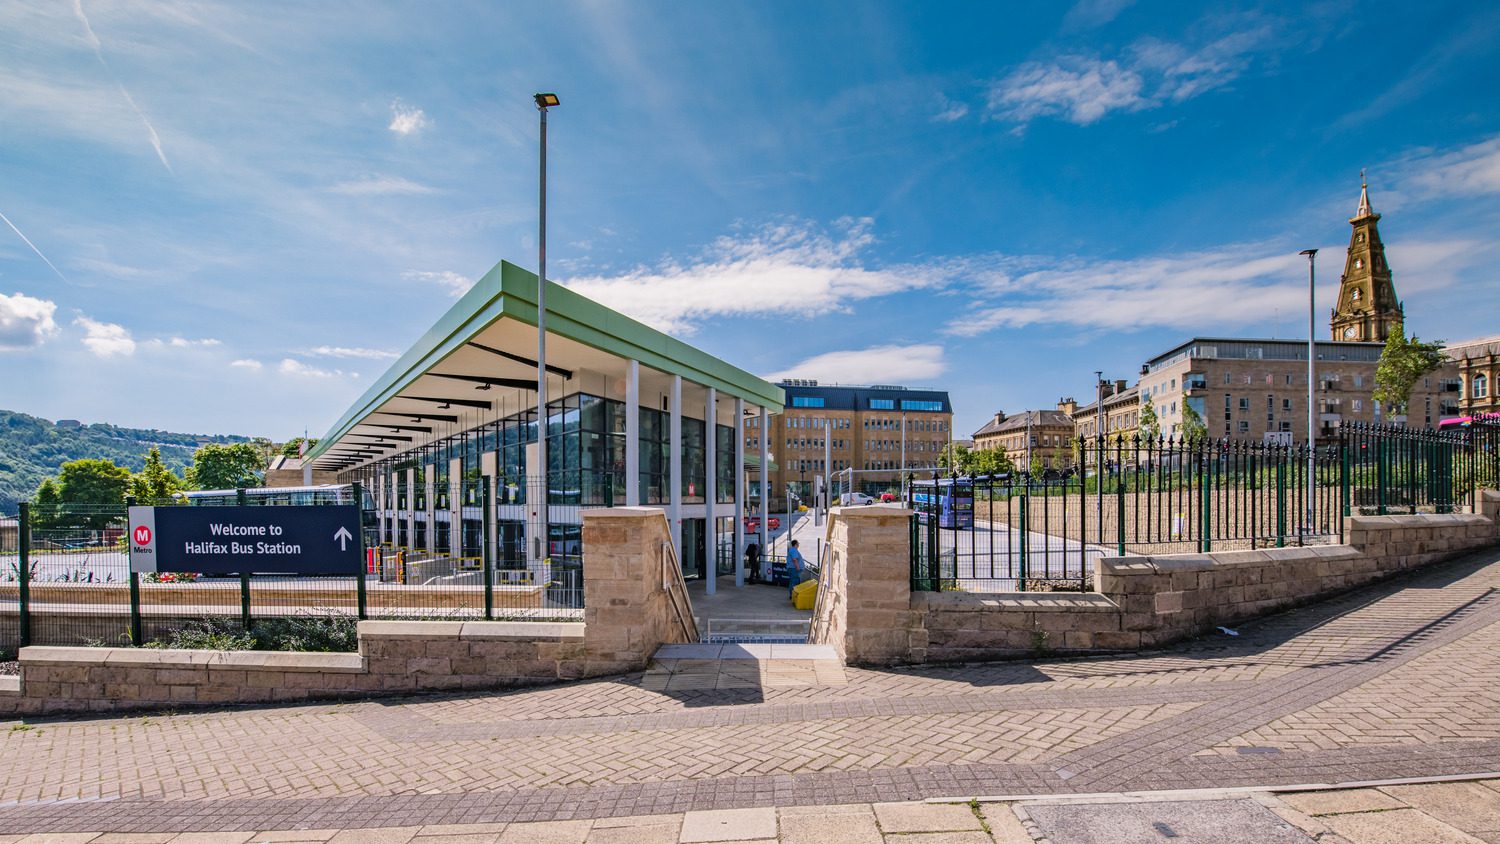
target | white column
x=765, y=479
x=674, y=475
x=739, y=492
x=633, y=434
x=711, y=488
x=827, y=466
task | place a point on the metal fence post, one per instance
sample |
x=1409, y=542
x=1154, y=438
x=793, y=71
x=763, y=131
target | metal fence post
x=1026, y=529
x=1280, y=498
x=137, y=634
x=486, y=555
x=245, y=622
x=1119, y=500
x=23, y=570
x=1205, y=495
x=1344, y=479
x=1380, y=474
x=361, y=599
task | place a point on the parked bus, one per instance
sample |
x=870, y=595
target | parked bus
x=950, y=500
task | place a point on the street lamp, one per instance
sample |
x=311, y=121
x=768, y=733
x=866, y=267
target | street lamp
x=1312, y=255
x=543, y=102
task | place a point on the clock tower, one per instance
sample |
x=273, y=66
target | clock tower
x=1367, y=308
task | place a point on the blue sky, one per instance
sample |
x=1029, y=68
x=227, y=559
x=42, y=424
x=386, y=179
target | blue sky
x=230, y=217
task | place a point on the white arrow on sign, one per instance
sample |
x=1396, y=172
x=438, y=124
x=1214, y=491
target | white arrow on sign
x=343, y=537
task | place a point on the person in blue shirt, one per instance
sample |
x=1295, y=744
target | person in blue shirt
x=796, y=566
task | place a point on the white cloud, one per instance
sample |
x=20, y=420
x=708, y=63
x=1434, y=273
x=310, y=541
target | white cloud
x=343, y=352
x=182, y=343
x=1150, y=73
x=1080, y=89
x=952, y=111
x=406, y=120
x=788, y=268
x=1087, y=14
x=457, y=284
x=246, y=363
x=1470, y=171
x=106, y=339
x=381, y=185
x=297, y=368
x=875, y=365
x=25, y=323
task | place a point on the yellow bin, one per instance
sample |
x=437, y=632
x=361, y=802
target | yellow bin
x=804, y=595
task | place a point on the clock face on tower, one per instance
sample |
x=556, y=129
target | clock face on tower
x=1349, y=332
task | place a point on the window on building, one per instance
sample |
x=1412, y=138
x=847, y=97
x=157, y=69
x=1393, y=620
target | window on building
x=912, y=404
x=1244, y=404
x=1244, y=426
x=1286, y=404
x=1481, y=386
x=1358, y=405
x=882, y=404
x=1286, y=426
x=1359, y=381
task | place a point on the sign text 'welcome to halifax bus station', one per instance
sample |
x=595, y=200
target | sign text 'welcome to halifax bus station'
x=247, y=540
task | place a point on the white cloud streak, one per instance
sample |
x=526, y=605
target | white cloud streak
x=1083, y=89
x=27, y=241
x=247, y=363
x=381, y=185
x=790, y=268
x=25, y=322
x=106, y=339
x=875, y=365
x=343, y=352
x=1473, y=170
x=298, y=369
x=456, y=284
x=99, y=53
x=406, y=120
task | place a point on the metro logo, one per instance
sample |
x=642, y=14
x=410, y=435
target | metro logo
x=142, y=535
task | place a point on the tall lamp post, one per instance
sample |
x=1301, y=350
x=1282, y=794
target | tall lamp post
x=543, y=102
x=1312, y=255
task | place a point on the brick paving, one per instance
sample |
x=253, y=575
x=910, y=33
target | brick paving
x=1395, y=681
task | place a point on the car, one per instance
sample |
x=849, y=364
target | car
x=888, y=497
x=752, y=523
x=855, y=499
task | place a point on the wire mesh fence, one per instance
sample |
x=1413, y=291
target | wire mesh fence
x=468, y=553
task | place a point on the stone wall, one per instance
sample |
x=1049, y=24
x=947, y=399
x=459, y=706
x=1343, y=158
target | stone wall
x=628, y=615
x=1137, y=602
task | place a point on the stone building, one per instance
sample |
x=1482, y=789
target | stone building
x=878, y=432
x=1367, y=309
x=1032, y=436
x=1478, y=363
x=1122, y=411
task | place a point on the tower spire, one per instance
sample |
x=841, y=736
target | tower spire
x=1364, y=197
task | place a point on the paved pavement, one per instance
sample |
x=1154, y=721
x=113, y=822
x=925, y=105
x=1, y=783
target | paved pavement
x=1401, y=680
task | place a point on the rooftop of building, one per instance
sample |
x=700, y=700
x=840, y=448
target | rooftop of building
x=1000, y=423
x=1129, y=395
x=863, y=397
x=1478, y=347
x=1253, y=348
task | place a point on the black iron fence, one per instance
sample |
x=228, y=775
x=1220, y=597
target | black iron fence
x=1165, y=495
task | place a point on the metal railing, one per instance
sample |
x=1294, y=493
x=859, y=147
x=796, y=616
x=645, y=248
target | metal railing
x=1163, y=495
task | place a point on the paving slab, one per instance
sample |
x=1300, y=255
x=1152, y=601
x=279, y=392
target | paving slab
x=1469, y=806
x=376, y=835
x=969, y=837
x=462, y=829
x=132, y=838
x=1005, y=827
x=662, y=833
x=1398, y=826
x=459, y=838
x=728, y=825
x=1341, y=801
x=548, y=832
x=212, y=838
x=844, y=828
x=926, y=817
x=1177, y=822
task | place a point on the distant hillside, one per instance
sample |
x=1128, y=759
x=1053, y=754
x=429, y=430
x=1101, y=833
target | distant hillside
x=33, y=449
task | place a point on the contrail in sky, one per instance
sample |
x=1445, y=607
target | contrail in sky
x=33, y=246
x=99, y=52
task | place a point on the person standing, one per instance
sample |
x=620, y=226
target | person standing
x=752, y=561
x=795, y=567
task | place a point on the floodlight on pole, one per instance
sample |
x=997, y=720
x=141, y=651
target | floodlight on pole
x=543, y=102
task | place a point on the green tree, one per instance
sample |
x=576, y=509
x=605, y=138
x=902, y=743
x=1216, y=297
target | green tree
x=292, y=447
x=1192, y=424
x=218, y=466
x=91, y=493
x=990, y=461
x=154, y=481
x=957, y=458
x=45, y=505
x=1150, y=425
x=1402, y=362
